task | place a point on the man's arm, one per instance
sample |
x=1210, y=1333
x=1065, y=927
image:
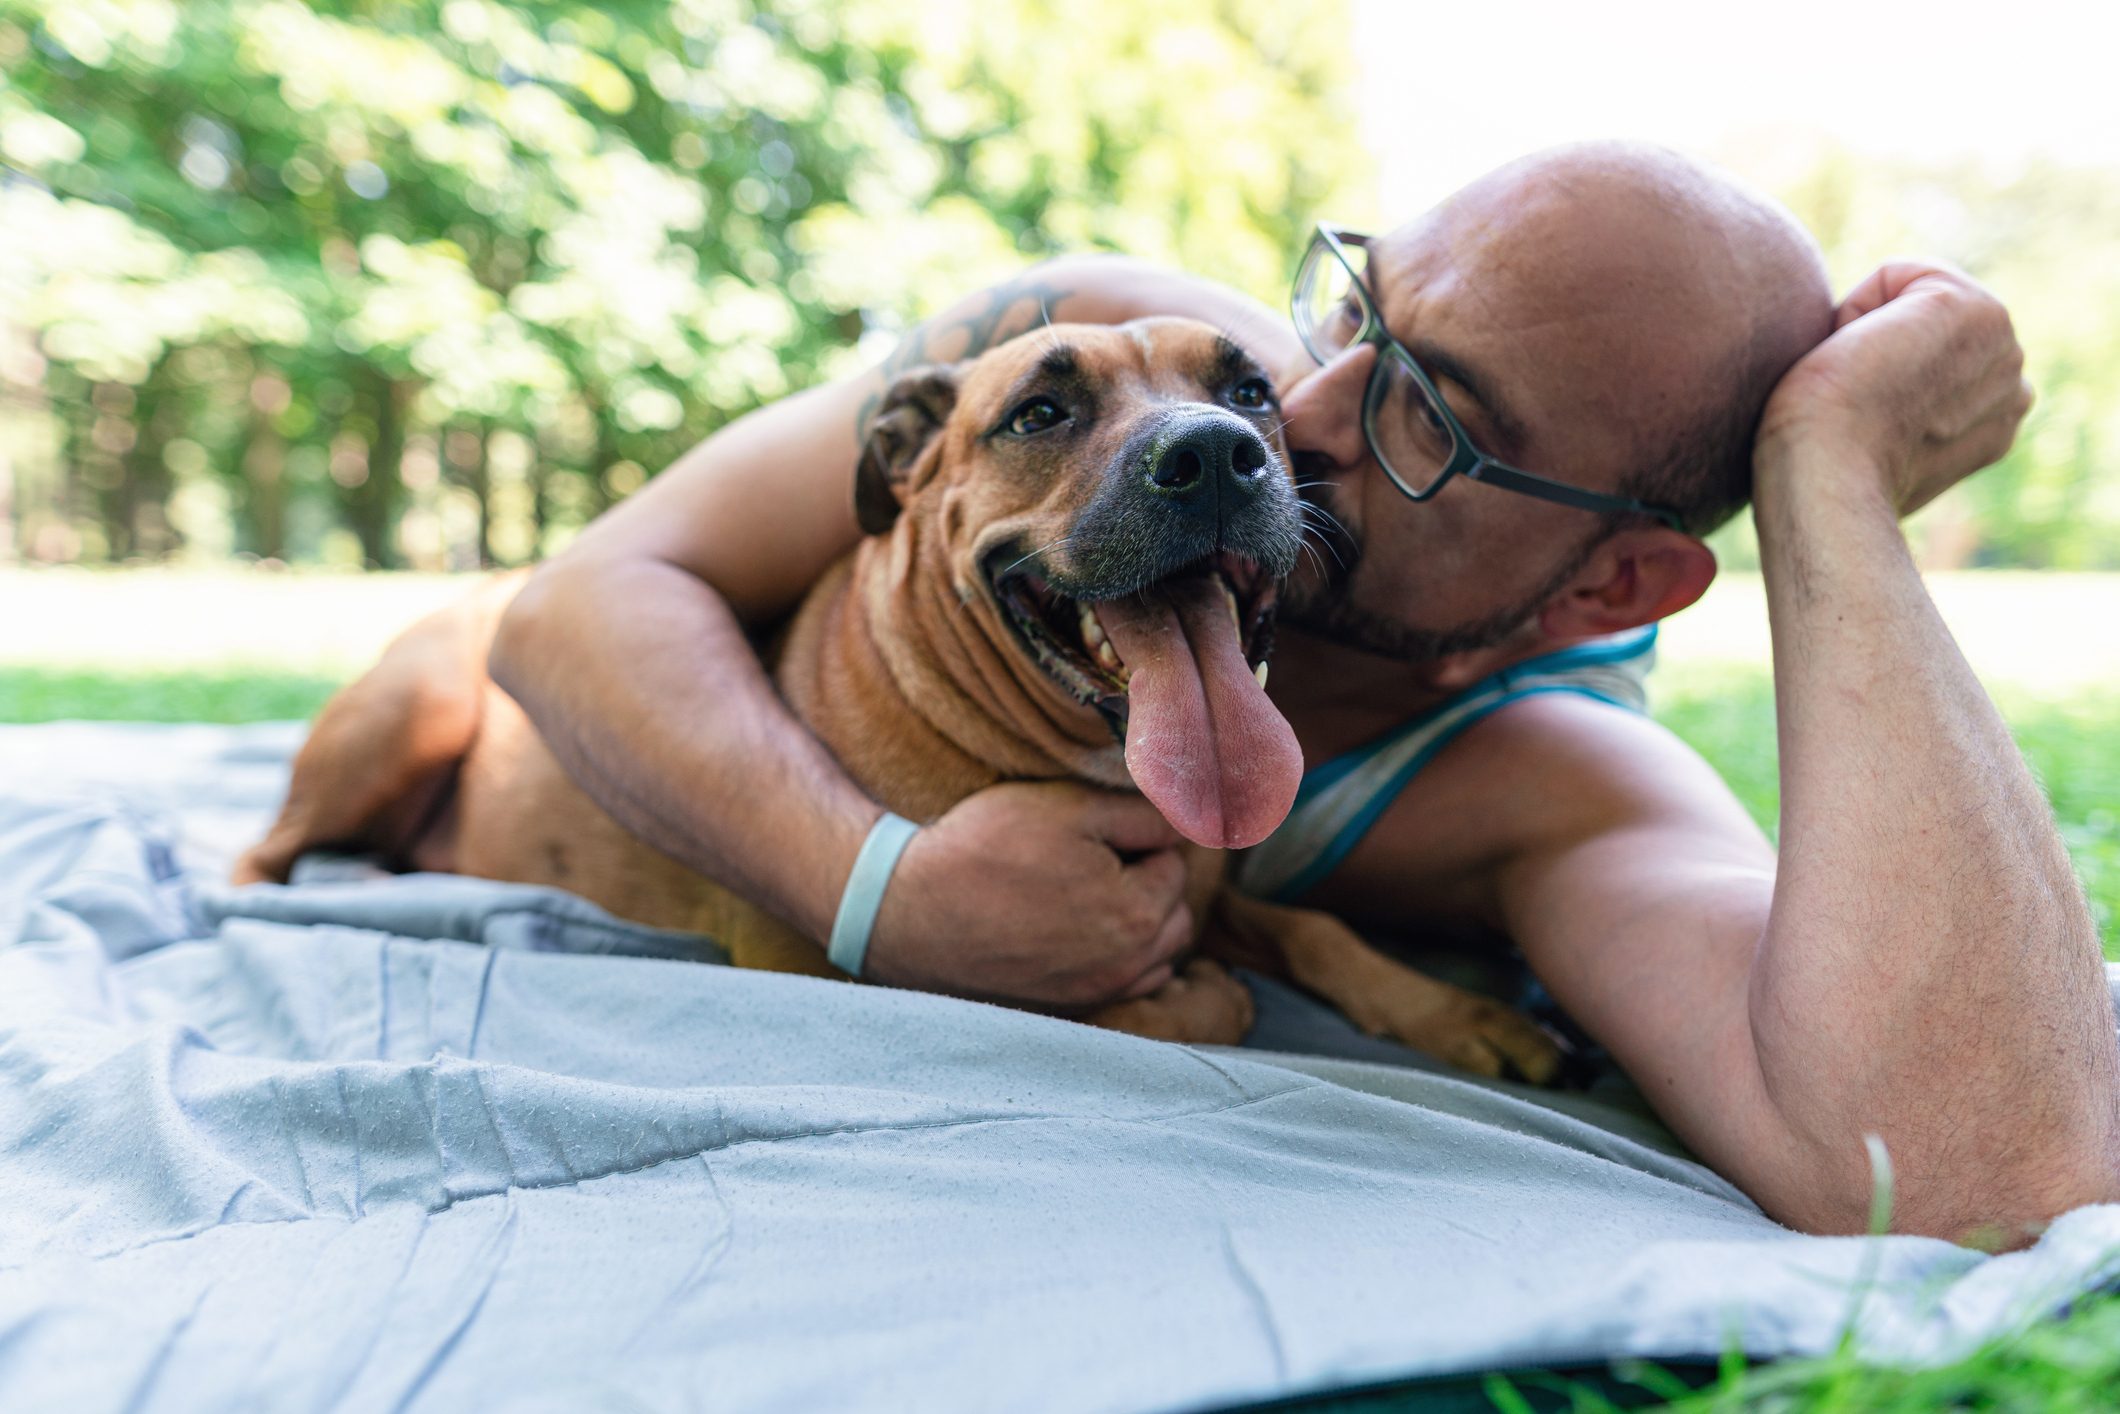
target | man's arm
x=1922, y=967
x=631, y=653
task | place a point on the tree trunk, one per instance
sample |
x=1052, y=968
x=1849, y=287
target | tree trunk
x=148, y=484
x=265, y=488
x=375, y=503
x=482, y=488
x=465, y=453
x=540, y=474
x=100, y=466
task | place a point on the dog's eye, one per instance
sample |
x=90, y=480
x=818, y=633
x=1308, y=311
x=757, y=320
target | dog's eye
x=1252, y=394
x=1035, y=416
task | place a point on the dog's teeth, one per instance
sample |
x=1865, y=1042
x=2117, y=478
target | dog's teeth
x=1092, y=631
x=1107, y=656
x=1229, y=597
x=1260, y=673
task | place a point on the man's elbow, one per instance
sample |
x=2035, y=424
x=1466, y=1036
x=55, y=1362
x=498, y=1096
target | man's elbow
x=1995, y=1204
x=2011, y=1209
x=525, y=623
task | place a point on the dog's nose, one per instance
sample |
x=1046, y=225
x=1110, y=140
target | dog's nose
x=1204, y=459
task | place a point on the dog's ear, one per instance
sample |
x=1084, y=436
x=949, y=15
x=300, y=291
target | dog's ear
x=902, y=427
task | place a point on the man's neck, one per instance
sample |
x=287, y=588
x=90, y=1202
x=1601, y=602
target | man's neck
x=1338, y=698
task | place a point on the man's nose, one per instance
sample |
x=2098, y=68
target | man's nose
x=1322, y=414
x=1209, y=464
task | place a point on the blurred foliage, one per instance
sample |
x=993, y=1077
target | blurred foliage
x=431, y=283
x=2042, y=236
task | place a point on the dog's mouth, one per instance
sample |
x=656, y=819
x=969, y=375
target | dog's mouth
x=1067, y=637
x=1178, y=671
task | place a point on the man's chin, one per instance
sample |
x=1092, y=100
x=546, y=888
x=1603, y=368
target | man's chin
x=1325, y=612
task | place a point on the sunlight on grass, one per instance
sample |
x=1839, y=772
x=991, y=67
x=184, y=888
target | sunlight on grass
x=190, y=695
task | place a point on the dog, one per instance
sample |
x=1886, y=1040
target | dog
x=1072, y=549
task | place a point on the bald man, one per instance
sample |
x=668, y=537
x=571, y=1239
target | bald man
x=1572, y=370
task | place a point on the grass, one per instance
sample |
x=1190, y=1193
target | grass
x=1727, y=713
x=2065, y=1366
x=170, y=695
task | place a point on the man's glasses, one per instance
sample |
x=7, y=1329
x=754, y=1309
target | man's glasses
x=1416, y=438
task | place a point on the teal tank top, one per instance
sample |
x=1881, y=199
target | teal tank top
x=1342, y=798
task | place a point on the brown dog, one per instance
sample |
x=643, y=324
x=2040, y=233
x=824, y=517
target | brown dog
x=1073, y=547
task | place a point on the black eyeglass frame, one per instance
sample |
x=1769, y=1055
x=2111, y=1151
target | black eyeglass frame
x=1466, y=459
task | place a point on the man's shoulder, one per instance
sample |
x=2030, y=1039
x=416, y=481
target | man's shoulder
x=1106, y=288
x=1541, y=767
x=1550, y=729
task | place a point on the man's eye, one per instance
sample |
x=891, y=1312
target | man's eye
x=1035, y=416
x=1252, y=394
x=1432, y=416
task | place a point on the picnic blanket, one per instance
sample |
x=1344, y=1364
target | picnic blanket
x=442, y=1144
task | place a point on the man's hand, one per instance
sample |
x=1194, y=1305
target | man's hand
x=1925, y=970
x=634, y=653
x=1041, y=892
x=1922, y=382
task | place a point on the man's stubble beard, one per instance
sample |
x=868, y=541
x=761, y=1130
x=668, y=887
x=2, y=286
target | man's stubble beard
x=1324, y=606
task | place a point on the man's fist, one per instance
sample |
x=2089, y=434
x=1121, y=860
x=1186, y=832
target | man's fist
x=1920, y=385
x=1045, y=893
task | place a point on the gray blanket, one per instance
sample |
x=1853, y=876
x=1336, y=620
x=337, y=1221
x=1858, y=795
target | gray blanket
x=440, y=1144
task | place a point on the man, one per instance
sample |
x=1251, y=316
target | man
x=1920, y=966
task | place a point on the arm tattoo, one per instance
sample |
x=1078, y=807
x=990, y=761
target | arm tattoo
x=1014, y=307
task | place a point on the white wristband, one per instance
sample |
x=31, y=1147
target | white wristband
x=863, y=895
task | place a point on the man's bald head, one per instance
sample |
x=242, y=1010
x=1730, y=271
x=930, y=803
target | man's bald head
x=1647, y=295
x=1608, y=316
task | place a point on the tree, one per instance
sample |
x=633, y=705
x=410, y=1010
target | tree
x=401, y=279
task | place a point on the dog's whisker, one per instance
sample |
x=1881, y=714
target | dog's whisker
x=1312, y=508
x=1311, y=529
x=964, y=603
x=1328, y=520
x=1039, y=551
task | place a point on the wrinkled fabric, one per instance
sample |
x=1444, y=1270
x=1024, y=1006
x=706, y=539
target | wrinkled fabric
x=442, y=1144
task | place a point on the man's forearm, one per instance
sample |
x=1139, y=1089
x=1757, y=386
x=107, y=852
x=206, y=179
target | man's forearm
x=629, y=650
x=637, y=669
x=670, y=690
x=1930, y=973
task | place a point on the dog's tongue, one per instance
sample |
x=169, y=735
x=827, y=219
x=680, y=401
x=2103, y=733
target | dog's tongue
x=1202, y=742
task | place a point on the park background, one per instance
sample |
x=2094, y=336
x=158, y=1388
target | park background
x=307, y=308
x=309, y=311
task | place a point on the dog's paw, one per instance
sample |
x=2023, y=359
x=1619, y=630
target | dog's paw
x=1203, y=1005
x=1469, y=1031
x=1502, y=1042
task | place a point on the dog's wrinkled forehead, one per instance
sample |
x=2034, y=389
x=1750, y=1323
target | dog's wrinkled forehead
x=1161, y=359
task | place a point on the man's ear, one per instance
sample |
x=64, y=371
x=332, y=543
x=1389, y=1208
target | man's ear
x=1634, y=578
x=902, y=427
